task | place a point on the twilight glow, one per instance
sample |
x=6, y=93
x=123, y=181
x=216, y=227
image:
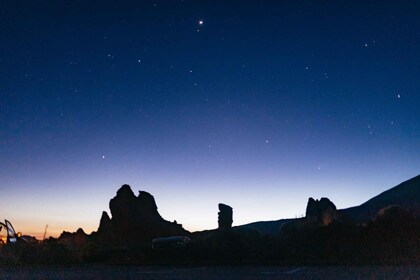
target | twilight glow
x=259, y=105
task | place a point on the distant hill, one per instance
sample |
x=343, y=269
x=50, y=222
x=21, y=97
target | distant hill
x=266, y=227
x=405, y=195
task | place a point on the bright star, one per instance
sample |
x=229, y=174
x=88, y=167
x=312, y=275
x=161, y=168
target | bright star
x=200, y=22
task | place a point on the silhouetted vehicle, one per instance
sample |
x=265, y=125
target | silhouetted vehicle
x=170, y=242
x=8, y=233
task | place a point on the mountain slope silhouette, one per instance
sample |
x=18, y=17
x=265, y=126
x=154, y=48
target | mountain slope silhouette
x=405, y=195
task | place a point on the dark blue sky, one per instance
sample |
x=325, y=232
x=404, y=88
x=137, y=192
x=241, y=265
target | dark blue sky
x=260, y=105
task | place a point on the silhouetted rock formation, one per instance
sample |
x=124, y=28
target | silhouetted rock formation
x=79, y=234
x=225, y=216
x=405, y=195
x=321, y=212
x=135, y=220
x=73, y=241
x=105, y=221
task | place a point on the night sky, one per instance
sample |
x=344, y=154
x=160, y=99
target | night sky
x=256, y=104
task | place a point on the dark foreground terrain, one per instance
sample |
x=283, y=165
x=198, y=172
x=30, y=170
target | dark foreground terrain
x=212, y=272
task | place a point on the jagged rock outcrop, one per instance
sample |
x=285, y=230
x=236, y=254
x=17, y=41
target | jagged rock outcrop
x=225, y=216
x=79, y=233
x=321, y=212
x=318, y=213
x=73, y=240
x=104, y=222
x=134, y=220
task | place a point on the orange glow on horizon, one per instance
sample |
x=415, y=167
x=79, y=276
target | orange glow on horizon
x=52, y=231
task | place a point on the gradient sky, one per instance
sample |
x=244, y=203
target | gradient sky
x=256, y=104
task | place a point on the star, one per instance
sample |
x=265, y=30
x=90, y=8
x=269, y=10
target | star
x=200, y=22
x=103, y=157
x=398, y=96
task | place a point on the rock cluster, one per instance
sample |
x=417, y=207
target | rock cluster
x=73, y=240
x=135, y=220
x=321, y=212
x=225, y=216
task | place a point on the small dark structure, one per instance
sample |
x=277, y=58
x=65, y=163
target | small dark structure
x=225, y=216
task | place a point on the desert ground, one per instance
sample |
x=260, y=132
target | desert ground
x=209, y=272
